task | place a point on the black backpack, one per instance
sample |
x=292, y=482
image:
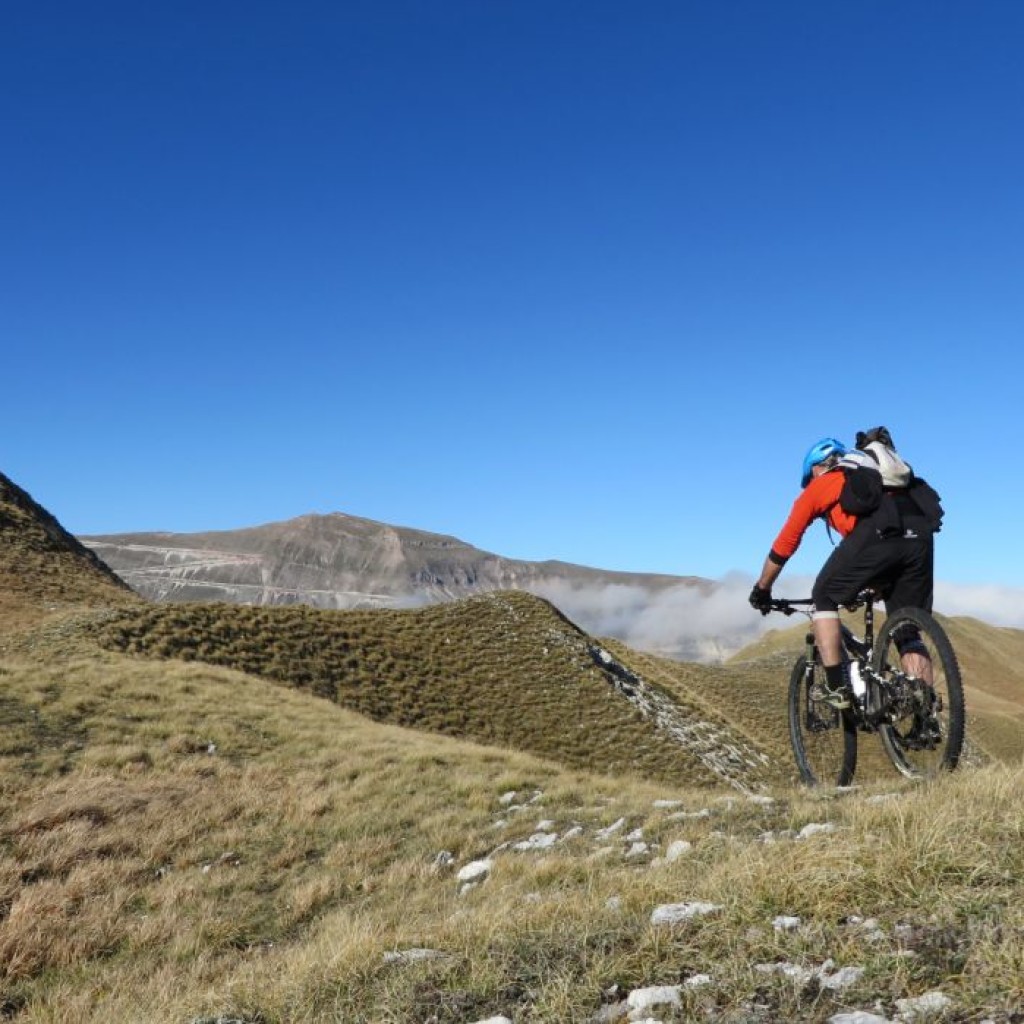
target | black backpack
x=875, y=475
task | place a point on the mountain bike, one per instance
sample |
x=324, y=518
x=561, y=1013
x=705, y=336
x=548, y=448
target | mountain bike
x=906, y=688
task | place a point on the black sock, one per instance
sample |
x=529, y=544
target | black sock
x=835, y=676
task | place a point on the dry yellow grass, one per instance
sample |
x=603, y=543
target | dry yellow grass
x=184, y=841
x=181, y=842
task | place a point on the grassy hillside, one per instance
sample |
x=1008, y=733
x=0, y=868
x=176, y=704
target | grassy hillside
x=43, y=569
x=180, y=842
x=200, y=822
x=505, y=669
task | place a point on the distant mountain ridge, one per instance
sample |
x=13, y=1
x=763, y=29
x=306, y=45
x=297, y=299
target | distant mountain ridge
x=337, y=561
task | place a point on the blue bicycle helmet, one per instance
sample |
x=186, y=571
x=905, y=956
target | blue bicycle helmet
x=825, y=448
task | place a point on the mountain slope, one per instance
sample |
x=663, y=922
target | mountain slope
x=42, y=566
x=505, y=668
x=336, y=561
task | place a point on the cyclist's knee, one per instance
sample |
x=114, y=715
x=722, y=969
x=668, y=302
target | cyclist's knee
x=824, y=602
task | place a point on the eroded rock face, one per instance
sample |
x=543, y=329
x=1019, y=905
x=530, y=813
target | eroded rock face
x=336, y=561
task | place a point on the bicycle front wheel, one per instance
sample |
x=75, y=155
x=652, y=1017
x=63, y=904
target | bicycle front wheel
x=824, y=740
x=919, y=670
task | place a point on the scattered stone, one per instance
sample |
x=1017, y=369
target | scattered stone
x=823, y=975
x=922, y=1007
x=667, y=804
x=495, y=1020
x=642, y=999
x=614, y=827
x=475, y=871
x=764, y=801
x=506, y=798
x=411, y=956
x=697, y=981
x=635, y=836
x=816, y=829
x=573, y=833
x=801, y=975
x=637, y=850
x=674, y=913
x=545, y=826
x=677, y=849
x=613, y=903
x=444, y=860
x=858, y=1017
x=785, y=923
x=845, y=977
x=684, y=815
x=538, y=841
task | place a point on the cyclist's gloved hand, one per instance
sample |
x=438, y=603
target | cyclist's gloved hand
x=760, y=599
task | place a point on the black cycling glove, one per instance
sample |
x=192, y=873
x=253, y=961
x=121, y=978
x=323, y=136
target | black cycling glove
x=761, y=599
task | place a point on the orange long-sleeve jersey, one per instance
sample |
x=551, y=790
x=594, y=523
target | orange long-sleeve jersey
x=820, y=498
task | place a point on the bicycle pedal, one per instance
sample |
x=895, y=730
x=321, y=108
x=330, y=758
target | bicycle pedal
x=836, y=699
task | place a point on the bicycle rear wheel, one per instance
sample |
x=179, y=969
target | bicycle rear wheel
x=926, y=731
x=824, y=740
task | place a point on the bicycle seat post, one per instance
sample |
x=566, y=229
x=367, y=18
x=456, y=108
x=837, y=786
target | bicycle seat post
x=869, y=625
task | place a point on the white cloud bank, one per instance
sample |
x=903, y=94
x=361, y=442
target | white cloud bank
x=688, y=623
x=998, y=606
x=682, y=622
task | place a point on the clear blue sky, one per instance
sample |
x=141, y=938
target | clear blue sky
x=576, y=280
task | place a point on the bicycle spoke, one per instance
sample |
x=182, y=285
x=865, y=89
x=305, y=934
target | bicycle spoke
x=824, y=740
x=924, y=734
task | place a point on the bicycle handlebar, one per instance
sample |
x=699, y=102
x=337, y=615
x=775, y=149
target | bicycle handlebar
x=788, y=606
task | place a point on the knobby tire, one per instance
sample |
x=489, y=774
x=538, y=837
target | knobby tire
x=928, y=735
x=824, y=740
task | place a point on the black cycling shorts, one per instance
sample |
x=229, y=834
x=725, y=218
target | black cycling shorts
x=900, y=568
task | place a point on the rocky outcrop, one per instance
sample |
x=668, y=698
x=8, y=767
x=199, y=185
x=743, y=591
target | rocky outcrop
x=337, y=561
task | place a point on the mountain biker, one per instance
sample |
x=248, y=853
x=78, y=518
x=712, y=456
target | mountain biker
x=898, y=564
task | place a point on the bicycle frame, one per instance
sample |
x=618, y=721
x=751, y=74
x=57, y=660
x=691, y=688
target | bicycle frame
x=918, y=715
x=871, y=711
